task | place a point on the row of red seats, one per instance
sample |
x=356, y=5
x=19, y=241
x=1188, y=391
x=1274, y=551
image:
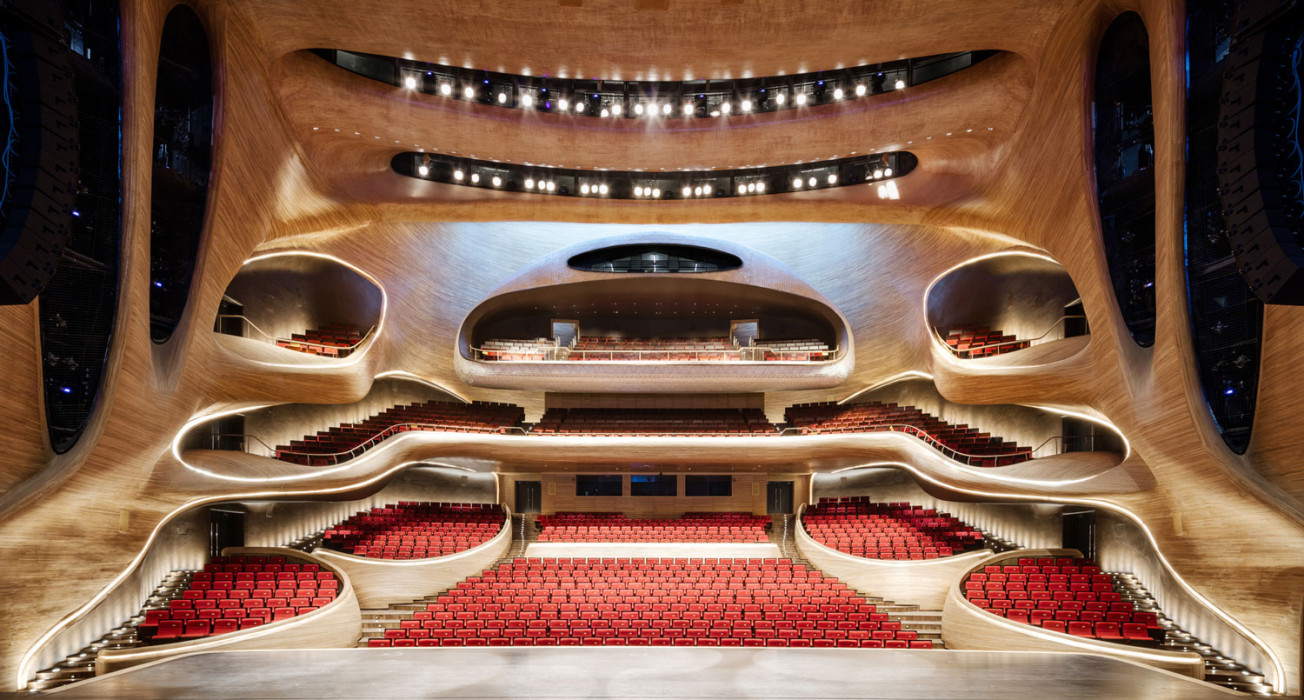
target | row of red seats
x=615, y=527
x=413, y=530
x=888, y=530
x=828, y=417
x=1063, y=595
x=610, y=601
x=980, y=341
x=330, y=341
x=240, y=592
x=338, y=443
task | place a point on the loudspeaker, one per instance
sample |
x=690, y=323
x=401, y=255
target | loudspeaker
x=1258, y=151
x=40, y=174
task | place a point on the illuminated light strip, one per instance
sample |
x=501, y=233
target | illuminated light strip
x=909, y=374
x=1232, y=622
x=356, y=357
x=77, y=614
x=421, y=380
x=506, y=530
x=237, y=636
x=1127, y=444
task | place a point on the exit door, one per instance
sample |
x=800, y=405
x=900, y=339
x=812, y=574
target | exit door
x=226, y=528
x=1080, y=532
x=778, y=496
x=529, y=496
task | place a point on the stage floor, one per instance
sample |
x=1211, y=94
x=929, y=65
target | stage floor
x=641, y=673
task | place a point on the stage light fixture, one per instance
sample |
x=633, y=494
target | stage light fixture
x=423, y=170
x=742, y=189
x=656, y=191
x=603, y=189
x=900, y=84
x=666, y=109
x=502, y=98
x=811, y=181
x=616, y=109
x=796, y=183
x=878, y=173
x=551, y=185
x=563, y=104
x=529, y=183
x=887, y=172
x=832, y=178
x=605, y=112
x=410, y=83
x=475, y=178
x=801, y=99
x=706, y=190
x=579, y=106
x=497, y=181
x=687, y=191
x=445, y=89
x=638, y=190
x=584, y=188
x=860, y=90
x=697, y=191
x=638, y=108
x=725, y=108
x=527, y=100
x=688, y=109
x=837, y=93
x=468, y=92
x=458, y=175
x=746, y=105
x=760, y=187
x=780, y=99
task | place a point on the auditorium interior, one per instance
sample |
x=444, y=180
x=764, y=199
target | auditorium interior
x=652, y=348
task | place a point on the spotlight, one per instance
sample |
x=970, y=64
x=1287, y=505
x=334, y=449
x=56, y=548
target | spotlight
x=796, y=183
x=837, y=93
x=747, y=105
x=833, y=178
x=811, y=181
x=445, y=89
x=742, y=189
x=616, y=109
x=410, y=83
x=697, y=191
x=529, y=183
x=423, y=170
x=688, y=109
x=603, y=189
x=725, y=108
x=887, y=172
x=475, y=178
x=638, y=108
x=687, y=191
x=638, y=190
x=584, y=189
x=502, y=98
x=656, y=191
x=666, y=109
x=780, y=98
x=563, y=104
x=458, y=175
x=527, y=100
x=899, y=84
x=751, y=187
x=468, y=92
x=760, y=186
x=605, y=112
x=551, y=185
x=498, y=181
x=579, y=106
x=860, y=90
x=878, y=173
x=706, y=190
x=801, y=99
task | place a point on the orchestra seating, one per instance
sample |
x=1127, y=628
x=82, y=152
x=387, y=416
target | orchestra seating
x=350, y=439
x=338, y=341
x=615, y=527
x=977, y=448
x=855, y=525
x=609, y=349
x=655, y=421
x=240, y=592
x=978, y=341
x=1062, y=595
x=651, y=602
x=416, y=530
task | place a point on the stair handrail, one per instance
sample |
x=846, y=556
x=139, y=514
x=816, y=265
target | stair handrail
x=954, y=454
x=1016, y=341
x=275, y=339
x=386, y=432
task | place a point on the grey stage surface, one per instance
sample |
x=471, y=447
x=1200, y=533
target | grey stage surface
x=640, y=672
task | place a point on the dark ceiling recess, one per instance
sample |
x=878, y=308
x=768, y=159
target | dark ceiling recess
x=655, y=258
x=1261, y=164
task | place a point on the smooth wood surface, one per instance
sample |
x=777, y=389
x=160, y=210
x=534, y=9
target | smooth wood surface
x=924, y=583
x=966, y=626
x=1229, y=526
x=337, y=625
x=625, y=672
x=379, y=582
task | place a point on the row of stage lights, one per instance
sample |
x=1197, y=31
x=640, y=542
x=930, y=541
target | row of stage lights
x=652, y=108
x=746, y=185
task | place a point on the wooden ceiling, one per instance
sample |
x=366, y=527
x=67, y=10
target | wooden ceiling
x=1231, y=526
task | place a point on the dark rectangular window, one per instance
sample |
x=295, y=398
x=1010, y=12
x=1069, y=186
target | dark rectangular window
x=706, y=485
x=598, y=485
x=653, y=485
